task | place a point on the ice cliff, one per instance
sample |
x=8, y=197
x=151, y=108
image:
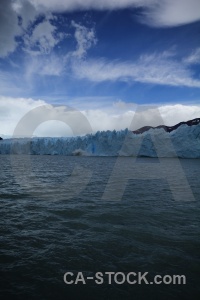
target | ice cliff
x=182, y=140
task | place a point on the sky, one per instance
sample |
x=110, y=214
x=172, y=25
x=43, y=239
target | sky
x=104, y=58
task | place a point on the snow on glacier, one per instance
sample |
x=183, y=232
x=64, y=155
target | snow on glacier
x=183, y=142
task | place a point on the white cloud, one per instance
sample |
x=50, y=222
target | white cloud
x=50, y=65
x=43, y=38
x=12, y=110
x=85, y=38
x=173, y=114
x=118, y=116
x=26, y=11
x=102, y=120
x=17, y=18
x=72, y=5
x=155, y=69
x=194, y=58
x=167, y=13
x=10, y=24
x=8, y=28
x=155, y=12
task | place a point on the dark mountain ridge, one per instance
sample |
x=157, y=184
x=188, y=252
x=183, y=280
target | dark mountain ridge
x=168, y=128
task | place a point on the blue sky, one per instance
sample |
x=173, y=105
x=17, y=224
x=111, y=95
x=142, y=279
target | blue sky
x=92, y=54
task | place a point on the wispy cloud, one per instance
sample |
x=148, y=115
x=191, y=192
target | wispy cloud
x=155, y=69
x=41, y=59
x=85, y=38
x=40, y=36
x=193, y=58
x=10, y=83
x=45, y=62
x=159, y=69
x=50, y=65
x=73, y=5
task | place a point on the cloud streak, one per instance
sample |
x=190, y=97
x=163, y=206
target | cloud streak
x=194, y=58
x=160, y=13
x=74, y=5
x=159, y=69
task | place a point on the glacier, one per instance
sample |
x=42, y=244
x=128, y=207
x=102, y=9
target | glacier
x=184, y=142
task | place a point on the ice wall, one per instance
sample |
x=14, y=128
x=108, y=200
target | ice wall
x=183, y=142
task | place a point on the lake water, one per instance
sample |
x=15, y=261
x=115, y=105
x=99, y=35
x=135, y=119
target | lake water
x=54, y=220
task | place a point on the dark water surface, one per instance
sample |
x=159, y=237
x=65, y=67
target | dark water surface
x=49, y=227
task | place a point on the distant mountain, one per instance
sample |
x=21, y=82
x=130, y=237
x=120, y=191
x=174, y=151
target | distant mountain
x=168, y=128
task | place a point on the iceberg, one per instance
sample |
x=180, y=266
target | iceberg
x=181, y=140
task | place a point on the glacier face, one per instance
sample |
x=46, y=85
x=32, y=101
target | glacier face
x=183, y=142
